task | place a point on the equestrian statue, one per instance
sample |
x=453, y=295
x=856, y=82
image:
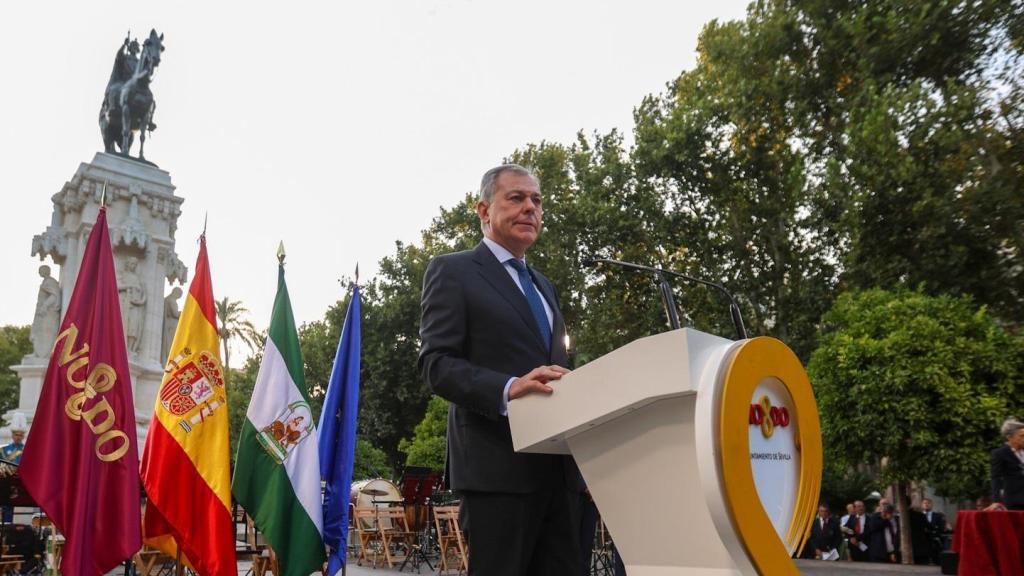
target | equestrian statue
x=128, y=103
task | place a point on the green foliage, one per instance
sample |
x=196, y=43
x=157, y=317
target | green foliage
x=916, y=385
x=370, y=462
x=841, y=486
x=822, y=143
x=239, y=390
x=428, y=444
x=593, y=208
x=817, y=146
x=14, y=345
x=233, y=324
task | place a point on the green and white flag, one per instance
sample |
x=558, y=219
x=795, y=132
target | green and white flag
x=277, y=469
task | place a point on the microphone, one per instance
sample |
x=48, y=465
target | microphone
x=666, y=290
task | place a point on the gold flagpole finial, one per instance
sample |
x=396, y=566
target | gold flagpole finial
x=280, y=252
x=103, y=195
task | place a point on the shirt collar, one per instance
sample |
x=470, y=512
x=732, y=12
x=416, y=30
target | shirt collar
x=500, y=252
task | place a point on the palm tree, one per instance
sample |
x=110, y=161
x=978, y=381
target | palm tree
x=233, y=324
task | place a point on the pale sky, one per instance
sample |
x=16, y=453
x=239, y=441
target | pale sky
x=337, y=127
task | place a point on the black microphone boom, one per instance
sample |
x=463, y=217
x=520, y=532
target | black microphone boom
x=666, y=291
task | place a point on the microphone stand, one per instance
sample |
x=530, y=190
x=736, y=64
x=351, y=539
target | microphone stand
x=668, y=300
x=666, y=291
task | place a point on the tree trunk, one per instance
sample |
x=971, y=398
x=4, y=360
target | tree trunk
x=227, y=358
x=901, y=495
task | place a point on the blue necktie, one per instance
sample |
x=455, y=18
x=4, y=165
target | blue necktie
x=536, y=305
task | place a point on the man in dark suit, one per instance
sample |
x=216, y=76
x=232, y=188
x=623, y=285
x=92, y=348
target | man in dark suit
x=856, y=526
x=935, y=528
x=1008, y=468
x=883, y=535
x=492, y=332
x=825, y=534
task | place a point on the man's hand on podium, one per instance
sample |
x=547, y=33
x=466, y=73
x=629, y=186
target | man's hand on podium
x=536, y=381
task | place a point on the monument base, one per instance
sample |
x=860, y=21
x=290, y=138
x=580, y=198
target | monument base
x=32, y=370
x=142, y=214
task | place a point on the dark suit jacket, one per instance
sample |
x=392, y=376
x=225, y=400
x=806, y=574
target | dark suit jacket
x=827, y=539
x=937, y=525
x=921, y=536
x=855, y=551
x=477, y=331
x=874, y=536
x=1007, y=477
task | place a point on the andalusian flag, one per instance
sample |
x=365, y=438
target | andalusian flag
x=277, y=469
x=185, y=468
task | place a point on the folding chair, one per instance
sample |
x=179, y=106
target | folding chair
x=367, y=528
x=450, y=539
x=394, y=534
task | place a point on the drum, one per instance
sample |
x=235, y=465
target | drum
x=376, y=492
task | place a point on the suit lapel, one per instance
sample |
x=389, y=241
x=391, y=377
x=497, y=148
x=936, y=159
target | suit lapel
x=497, y=276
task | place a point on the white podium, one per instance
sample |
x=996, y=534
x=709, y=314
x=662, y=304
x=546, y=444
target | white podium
x=702, y=454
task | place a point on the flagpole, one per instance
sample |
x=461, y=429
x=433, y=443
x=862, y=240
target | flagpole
x=344, y=565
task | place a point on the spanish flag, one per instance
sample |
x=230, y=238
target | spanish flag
x=185, y=464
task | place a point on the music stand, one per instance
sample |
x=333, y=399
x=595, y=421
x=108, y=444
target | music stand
x=418, y=484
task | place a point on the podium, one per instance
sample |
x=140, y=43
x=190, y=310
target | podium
x=702, y=454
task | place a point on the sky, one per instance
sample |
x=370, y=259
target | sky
x=338, y=128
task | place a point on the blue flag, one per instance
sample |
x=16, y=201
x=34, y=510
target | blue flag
x=338, y=436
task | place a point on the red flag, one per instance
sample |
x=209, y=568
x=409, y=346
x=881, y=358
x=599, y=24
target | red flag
x=81, y=460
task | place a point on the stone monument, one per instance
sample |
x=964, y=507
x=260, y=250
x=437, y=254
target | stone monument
x=142, y=212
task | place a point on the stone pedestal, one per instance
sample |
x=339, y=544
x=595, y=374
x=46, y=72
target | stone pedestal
x=142, y=212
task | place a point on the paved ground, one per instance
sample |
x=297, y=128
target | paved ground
x=816, y=568
x=807, y=567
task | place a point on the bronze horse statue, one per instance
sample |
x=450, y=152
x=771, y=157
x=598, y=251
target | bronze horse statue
x=128, y=103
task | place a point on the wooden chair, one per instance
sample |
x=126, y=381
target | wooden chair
x=450, y=539
x=364, y=518
x=261, y=563
x=147, y=559
x=11, y=563
x=394, y=534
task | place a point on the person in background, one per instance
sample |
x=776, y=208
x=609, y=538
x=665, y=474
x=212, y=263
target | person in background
x=12, y=453
x=936, y=528
x=844, y=545
x=849, y=512
x=1008, y=468
x=882, y=537
x=856, y=526
x=825, y=535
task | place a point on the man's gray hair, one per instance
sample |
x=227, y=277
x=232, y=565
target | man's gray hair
x=1010, y=427
x=490, y=180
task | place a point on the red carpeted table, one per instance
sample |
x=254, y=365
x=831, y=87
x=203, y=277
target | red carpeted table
x=990, y=543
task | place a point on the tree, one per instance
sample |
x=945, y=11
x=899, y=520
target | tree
x=821, y=144
x=428, y=444
x=239, y=390
x=370, y=462
x=14, y=345
x=727, y=148
x=916, y=386
x=233, y=324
